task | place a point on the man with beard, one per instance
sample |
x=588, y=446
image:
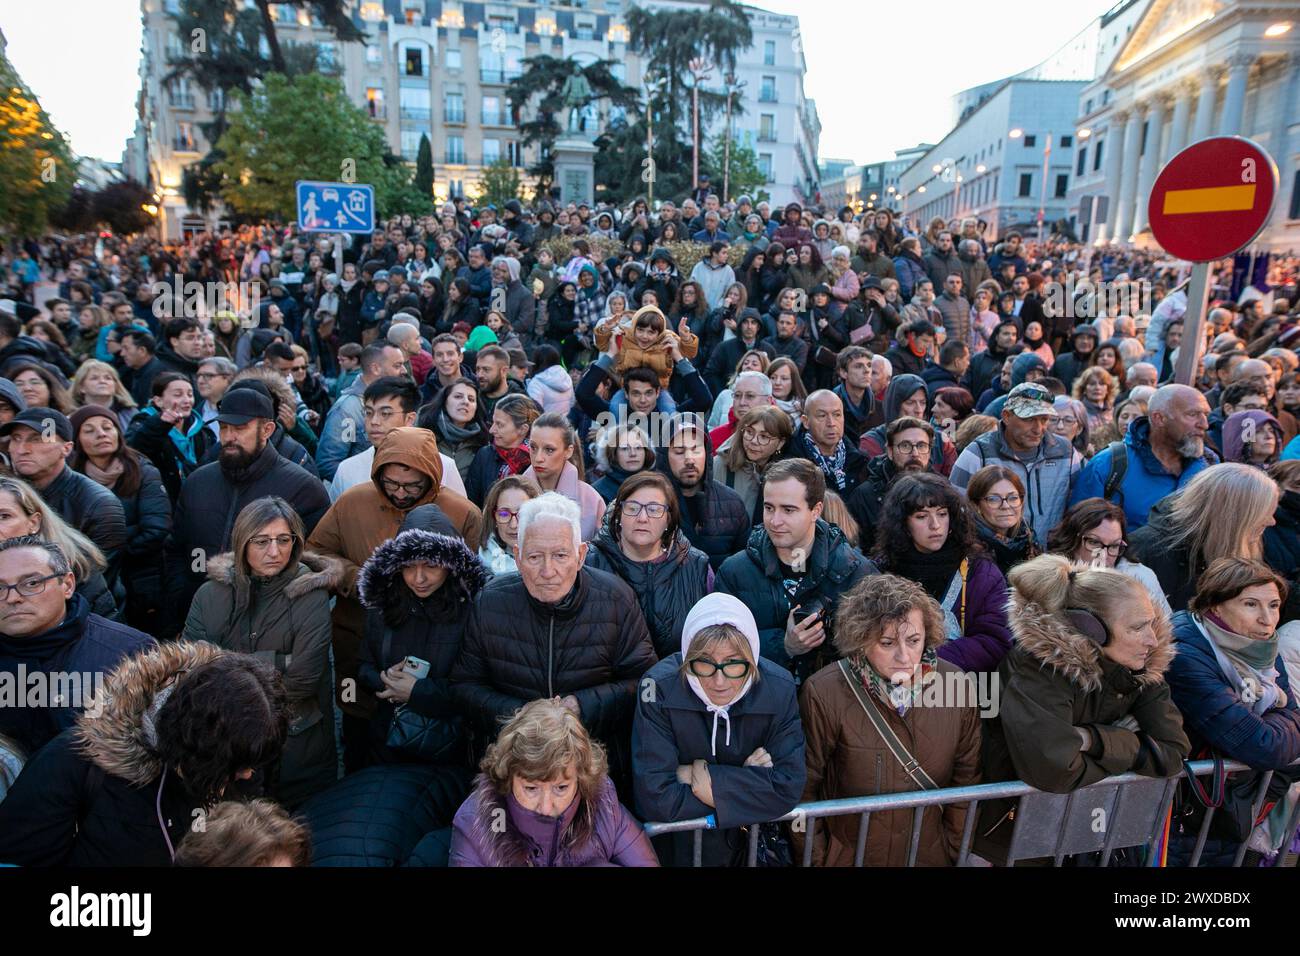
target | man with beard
x=1162, y=452
x=714, y=517
x=407, y=472
x=211, y=498
x=494, y=381
x=908, y=442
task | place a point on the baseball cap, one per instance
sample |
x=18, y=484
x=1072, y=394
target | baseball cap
x=241, y=405
x=1029, y=400
x=40, y=419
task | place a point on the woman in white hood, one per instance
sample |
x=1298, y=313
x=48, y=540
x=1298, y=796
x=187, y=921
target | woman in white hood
x=551, y=385
x=717, y=734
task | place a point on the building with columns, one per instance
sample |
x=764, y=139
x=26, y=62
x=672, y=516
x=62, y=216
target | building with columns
x=1187, y=70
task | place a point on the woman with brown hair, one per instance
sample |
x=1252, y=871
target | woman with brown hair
x=758, y=441
x=99, y=451
x=257, y=833
x=997, y=498
x=642, y=543
x=544, y=798
x=500, y=534
x=1095, y=532
x=267, y=598
x=889, y=686
x=39, y=387
x=557, y=466
x=1231, y=685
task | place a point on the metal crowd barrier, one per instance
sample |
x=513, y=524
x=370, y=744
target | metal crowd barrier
x=1053, y=825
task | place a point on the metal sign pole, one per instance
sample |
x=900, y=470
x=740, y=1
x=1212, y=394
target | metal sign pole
x=1189, y=353
x=338, y=255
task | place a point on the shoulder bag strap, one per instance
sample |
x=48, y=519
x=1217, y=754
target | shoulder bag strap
x=909, y=763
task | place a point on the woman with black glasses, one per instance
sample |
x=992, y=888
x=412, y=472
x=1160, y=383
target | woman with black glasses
x=997, y=497
x=720, y=735
x=642, y=543
x=1095, y=532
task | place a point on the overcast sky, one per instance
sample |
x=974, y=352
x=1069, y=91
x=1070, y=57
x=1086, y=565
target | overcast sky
x=881, y=84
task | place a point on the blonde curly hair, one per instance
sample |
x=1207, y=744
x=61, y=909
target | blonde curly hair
x=541, y=742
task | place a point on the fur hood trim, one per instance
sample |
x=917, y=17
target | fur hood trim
x=1050, y=639
x=120, y=739
x=315, y=571
x=410, y=547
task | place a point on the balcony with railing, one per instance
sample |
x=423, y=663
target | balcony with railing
x=767, y=136
x=453, y=114
x=377, y=111
x=499, y=117
x=417, y=113
x=768, y=96
x=182, y=101
x=499, y=77
x=185, y=144
x=455, y=157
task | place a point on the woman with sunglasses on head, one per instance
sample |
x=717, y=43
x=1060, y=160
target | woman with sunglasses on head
x=642, y=543
x=719, y=736
x=500, y=535
x=267, y=597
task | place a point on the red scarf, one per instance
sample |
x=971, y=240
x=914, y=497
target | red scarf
x=514, y=461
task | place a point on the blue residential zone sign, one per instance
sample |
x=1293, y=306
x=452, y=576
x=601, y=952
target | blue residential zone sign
x=336, y=207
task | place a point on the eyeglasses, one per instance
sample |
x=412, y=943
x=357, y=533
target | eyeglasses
x=907, y=447
x=207, y=375
x=757, y=437
x=506, y=516
x=652, y=509
x=997, y=501
x=30, y=587
x=263, y=541
x=703, y=667
x=406, y=487
x=297, y=368
x=1096, y=546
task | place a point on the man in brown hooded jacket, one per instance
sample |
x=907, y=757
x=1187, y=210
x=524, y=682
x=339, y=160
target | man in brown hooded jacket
x=407, y=473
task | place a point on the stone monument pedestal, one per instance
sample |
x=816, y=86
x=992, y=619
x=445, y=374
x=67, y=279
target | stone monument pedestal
x=575, y=174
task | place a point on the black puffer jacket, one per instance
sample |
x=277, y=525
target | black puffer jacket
x=399, y=624
x=715, y=518
x=593, y=645
x=91, y=796
x=1282, y=549
x=1173, y=566
x=666, y=589
x=755, y=576
x=91, y=508
x=148, y=516
x=379, y=815
x=147, y=434
x=209, y=504
x=865, y=502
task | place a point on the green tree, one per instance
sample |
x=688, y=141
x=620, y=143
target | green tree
x=543, y=78
x=499, y=183
x=221, y=43
x=669, y=40
x=424, y=167
x=120, y=206
x=269, y=146
x=745, y=175
x=36, y=166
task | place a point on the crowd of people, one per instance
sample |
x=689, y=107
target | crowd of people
x=527, y=526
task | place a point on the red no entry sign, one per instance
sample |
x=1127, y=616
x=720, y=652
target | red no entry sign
x=1212, y=198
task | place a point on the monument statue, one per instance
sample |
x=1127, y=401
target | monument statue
x=576, y=94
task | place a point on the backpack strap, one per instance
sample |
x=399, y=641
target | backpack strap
x=1118, y=468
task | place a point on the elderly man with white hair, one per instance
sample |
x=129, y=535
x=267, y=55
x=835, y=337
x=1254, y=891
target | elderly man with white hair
x=1141, y=373
x=407, y=338
x=555, y=629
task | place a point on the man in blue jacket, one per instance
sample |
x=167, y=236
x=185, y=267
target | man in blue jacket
x=53, y=651
x=1163, y=451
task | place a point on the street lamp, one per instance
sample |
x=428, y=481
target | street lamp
x=699, y=71
x=654, y=85
x=1016, y=133
x=734, y=87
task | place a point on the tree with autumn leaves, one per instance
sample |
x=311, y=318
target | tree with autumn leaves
x=37, y=170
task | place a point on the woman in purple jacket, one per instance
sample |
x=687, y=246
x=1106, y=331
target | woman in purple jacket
x=926, y=533
x=544, y=798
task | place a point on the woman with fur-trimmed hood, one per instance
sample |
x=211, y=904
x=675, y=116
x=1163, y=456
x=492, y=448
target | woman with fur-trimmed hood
x=417, y=589
x=269, y=597
x=544, y=798
x=179, y=727
x=1083, y=694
